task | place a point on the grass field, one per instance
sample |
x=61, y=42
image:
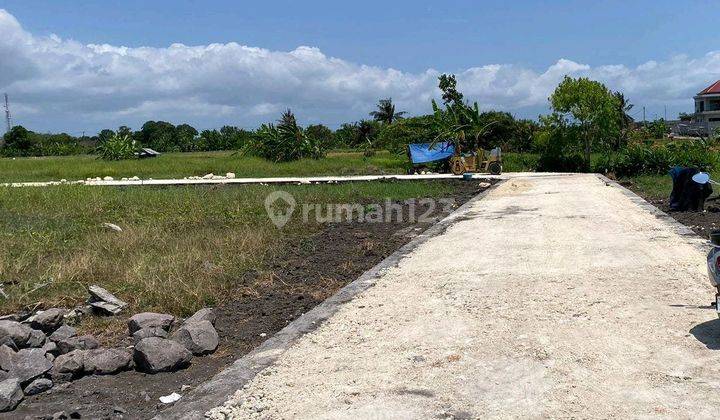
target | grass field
x=179, y=165
x=181, y=248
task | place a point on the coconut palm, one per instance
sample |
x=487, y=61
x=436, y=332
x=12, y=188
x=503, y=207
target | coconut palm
x=624, y=107
x=386, y=112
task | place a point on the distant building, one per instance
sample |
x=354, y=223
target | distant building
x=707, y=107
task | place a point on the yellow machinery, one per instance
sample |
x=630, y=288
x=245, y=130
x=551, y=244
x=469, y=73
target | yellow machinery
x=478, y=161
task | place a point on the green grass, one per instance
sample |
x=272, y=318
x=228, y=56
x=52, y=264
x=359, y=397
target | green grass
x=181, y=248
x=179, y=165
x=658, y=186
x=651, y=186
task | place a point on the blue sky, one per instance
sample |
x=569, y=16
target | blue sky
x=659, y=52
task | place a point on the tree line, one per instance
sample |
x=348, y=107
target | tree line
x=585, y=118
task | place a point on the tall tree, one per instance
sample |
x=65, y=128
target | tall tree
x=386, y=113
x=448, y=86
x=590, y=106
x=625, y=120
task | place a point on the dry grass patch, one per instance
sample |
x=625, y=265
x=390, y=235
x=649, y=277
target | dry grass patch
x=181, y=248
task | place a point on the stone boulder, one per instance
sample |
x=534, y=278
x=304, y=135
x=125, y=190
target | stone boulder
x=198, y=337
x=156, y=354
x=28, y=364
x=205, y=314
x=149, y=332
x=49, y=320
x=51, y=348
x=83, y=342
x=105, y=302
x=10, y=394
x=7, y=341
x=38, y=386
x=15, y=331
x=107, y=361
x=37, y=339
x=6, y=357
x=150, y=320
x=68, y=366
x=62, y=333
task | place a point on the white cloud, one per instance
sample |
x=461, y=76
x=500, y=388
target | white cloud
x=61, y=84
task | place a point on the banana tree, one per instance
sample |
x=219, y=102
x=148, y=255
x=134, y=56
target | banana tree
x=457, y=124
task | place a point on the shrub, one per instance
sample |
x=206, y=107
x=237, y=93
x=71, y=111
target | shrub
x=117, y=147
x=284, y=142
x=650, y=158
x=560, y=147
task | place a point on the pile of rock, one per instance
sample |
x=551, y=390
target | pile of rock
x=159, y=349
x=32, y=352
x=211, y=176
x=42, y=350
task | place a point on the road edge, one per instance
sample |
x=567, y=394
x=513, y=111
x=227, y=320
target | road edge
x=685, y=232
x=216, y=391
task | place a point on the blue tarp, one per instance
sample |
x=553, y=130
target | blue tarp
x=422, y=153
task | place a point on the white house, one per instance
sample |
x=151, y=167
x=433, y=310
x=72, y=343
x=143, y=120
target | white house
x=707, y=107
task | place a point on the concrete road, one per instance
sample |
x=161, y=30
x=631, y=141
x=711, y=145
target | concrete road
x=553, y=296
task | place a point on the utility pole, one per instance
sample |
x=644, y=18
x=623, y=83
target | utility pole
x=7, y=113
x=665, y=112
x=644, y=117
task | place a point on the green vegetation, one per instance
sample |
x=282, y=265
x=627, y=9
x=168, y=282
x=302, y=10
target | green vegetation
x=284, y=142
x=117, y=147
x=589, y=129
x=180, y=249
x=179, y=165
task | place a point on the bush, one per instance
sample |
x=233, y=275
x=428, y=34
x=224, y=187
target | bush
x=650, y=158
x=117, y=147
x=22, y=142
x=284, y=142
x=560, y=147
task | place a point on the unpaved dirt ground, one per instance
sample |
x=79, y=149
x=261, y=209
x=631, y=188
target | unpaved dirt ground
x=701, y=223
x=554, y=296
x=304, y=274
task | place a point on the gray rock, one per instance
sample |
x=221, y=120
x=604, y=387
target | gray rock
x=38, y=386
x=51, y=348
x=37, y=339
x=62, y=333
x=160, y=355
x=104, y=301
x=149, y=332
x=83, y=342
x=107, y=361
x=48, y=321
x=15, y=331
x=198, y=337
x=150, y=320
x=29, y=364
x=10, y=394
x=6, y=357
x=7, y=341
x=205, y=314
x=68, y=366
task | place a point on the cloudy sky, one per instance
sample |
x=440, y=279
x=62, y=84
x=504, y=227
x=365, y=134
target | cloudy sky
x=85, y=65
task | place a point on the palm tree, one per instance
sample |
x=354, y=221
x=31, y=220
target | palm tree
x=624, y=107
x=386, y=112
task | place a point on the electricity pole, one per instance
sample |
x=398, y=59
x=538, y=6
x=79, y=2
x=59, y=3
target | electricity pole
x=7, y=113
x=644, y=117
